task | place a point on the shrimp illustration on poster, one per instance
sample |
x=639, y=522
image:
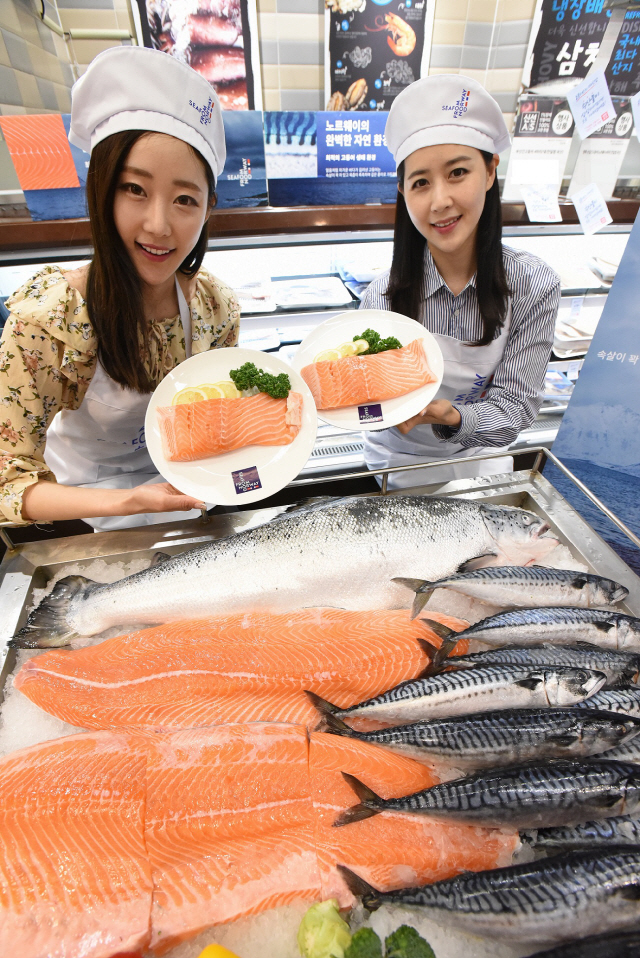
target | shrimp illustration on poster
x=599, y=438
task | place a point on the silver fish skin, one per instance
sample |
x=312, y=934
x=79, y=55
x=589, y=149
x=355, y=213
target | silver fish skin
x=476, y=690
x=623, y=945
x=614, y=700
x=619, y=667
x=620, y=830
x=561, y=626
x=569, y=896
x=530, y=586
x=501, y=737
x=628, y=751
x=517, y=796
x=341, y=552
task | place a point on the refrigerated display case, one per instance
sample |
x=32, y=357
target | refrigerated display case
x=290, y=282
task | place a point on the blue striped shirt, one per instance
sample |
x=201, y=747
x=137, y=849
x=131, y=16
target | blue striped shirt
x=512, y=401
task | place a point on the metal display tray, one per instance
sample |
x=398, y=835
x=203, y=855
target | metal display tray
x=30, y=566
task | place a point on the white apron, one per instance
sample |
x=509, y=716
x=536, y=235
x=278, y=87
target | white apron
x=102, y=444
x=468, y=371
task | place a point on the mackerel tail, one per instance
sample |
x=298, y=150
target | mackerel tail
x=551, y=900
x=370, y=803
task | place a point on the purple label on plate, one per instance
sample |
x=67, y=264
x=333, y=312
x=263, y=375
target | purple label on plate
x=246, y=480
x=370, y=413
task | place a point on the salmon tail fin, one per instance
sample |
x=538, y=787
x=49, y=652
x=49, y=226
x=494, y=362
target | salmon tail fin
x=370, y=803
x=442, y=631
x=371, y=897
x=47, y=627
x=331, y=723
x=438, y=656
x=423, y=590
x=326, y=709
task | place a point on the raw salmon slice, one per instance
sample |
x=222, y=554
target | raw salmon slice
x=244, y=667
x=239, y=820
x=197, y=430
x=74, y=872
x=391, y=853
x=360, y=379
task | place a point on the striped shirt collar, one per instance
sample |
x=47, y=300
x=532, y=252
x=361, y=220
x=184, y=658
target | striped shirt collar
x=433, y=281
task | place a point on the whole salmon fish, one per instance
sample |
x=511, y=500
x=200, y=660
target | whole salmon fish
x=341, y=552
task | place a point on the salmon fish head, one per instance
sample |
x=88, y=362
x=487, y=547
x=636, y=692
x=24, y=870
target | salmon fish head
x=521, y=537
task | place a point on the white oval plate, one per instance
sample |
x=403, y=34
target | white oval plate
x=341, y=329
x=212, y=479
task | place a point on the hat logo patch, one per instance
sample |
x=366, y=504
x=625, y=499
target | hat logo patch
x=460, y=107
x=205, y=112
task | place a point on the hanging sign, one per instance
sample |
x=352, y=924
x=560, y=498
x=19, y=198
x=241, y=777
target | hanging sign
x=565, y=41
x=540, y=145
x=602, y=153
x=373, y=50
x=219, y=40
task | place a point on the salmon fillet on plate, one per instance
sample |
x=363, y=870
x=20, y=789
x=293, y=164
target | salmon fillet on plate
x=354, y=380
x=197, y=430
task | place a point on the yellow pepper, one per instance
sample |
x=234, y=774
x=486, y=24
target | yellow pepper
x=217, y=951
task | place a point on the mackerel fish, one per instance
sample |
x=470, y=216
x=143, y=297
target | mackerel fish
x=531, y=586
x=550, y=900
x=619, y=667
x=628, y=751
x=562, y=626
x=472, y=690
x=626, y=944
x=517, y=796
x=341, y=552
x=502, y=737
x=620, y=830
x=614, y=700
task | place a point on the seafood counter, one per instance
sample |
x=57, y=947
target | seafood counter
x=346, y=728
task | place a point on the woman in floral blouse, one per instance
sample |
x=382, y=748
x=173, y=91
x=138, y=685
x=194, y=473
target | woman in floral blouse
x=93, y=343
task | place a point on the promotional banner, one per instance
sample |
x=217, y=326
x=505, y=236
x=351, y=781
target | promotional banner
x=374, y=49
x=540, y=145
x=599, y=438
x=565, y=40
x=53, y=172
x=602, y=153
x=218, y=38
x=327, y=158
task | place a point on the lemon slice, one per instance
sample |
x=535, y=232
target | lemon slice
x=190, y=394
x=327, y=356
x=226, y=389
x=353, y=349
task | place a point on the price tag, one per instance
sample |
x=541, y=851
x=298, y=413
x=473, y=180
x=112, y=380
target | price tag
x=573, y=369
x=591, y=104
x=542, y=203
x=635, y=107
x=576, y=307
x=591, y=208
x=246, y=480
x=371, y=413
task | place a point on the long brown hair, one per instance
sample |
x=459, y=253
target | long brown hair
x=114, y=294
x=405, y=287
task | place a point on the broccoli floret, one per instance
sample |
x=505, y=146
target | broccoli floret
x=249, y=377
x=364, y=944
x=405, y=942
x=376, y=343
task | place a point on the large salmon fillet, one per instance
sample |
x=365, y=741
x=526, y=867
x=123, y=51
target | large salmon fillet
x=360, y=379
x=239, y=820
x=245, y=667
x=75, y=877
x=196, y=430
x=113, y=842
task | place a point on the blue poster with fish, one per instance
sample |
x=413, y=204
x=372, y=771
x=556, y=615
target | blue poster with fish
x=328, y=158
x=599, y=438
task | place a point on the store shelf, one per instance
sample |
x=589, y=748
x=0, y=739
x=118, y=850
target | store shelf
x=22, y=234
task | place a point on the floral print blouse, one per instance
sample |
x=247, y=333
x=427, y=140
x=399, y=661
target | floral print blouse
x=48, y=355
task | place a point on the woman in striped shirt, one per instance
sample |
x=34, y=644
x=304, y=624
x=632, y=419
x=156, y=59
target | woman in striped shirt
x=491, y=309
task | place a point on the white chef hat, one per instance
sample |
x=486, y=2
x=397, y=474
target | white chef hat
x=135, y=88
x=448, y=108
